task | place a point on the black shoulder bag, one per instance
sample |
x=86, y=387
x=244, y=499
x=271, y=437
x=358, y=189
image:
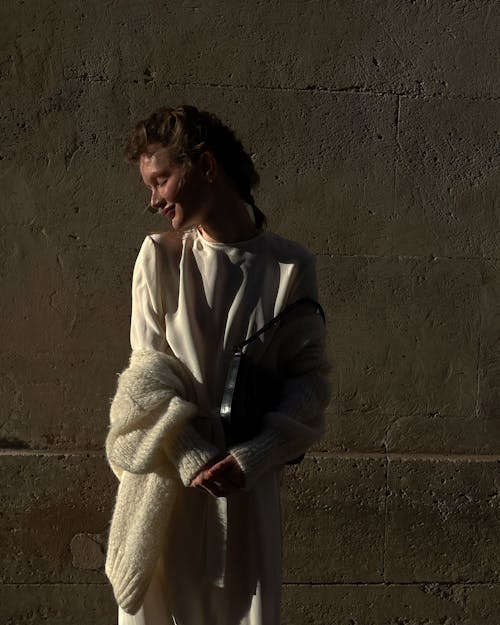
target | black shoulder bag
x=251, y=390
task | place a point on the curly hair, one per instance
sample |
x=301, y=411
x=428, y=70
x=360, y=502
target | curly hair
x=187, y=132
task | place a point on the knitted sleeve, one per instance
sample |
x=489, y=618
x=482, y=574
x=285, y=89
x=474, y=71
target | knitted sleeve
x=298, y=420
x=185, y=448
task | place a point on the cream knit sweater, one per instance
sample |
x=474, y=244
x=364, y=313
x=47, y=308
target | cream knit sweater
x=153, y=449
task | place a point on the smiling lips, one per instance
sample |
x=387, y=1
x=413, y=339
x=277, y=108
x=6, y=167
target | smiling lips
x=169, y=210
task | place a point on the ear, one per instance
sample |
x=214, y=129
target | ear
x=208, y=164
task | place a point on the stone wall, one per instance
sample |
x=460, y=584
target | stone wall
x=375, y=127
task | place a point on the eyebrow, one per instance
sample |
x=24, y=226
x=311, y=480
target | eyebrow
x=159, y=173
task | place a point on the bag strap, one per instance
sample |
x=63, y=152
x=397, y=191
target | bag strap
x=285, y=311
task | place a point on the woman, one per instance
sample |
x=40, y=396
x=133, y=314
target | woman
x=213, y=280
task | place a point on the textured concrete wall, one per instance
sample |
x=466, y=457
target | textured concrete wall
x=375, y=126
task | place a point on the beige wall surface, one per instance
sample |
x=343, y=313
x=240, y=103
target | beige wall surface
x=375, y=127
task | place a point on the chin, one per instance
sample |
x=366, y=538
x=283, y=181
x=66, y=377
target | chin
x=179, y=225
x=174, y=222
x=183, y=224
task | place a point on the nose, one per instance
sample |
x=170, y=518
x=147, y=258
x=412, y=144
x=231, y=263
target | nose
x=156, y=200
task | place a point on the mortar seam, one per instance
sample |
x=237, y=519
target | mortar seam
x=314, y=455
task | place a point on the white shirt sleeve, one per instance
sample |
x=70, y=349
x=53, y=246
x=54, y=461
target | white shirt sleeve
x=147, y=320
x=187, y=450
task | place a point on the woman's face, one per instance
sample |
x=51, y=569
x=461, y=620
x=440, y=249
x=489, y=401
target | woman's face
x=181, y=193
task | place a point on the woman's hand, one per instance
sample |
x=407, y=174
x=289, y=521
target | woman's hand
x=221, y=477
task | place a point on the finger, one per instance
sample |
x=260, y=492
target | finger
x=222, y=474
x=202, y=482
x=209, y=490
x=203, y=471
x=214, y=485
x=219, y=470
x=231, y=475
x=196, y=481
x=226, y=461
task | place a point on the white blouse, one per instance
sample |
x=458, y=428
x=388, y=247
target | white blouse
x=214, y=296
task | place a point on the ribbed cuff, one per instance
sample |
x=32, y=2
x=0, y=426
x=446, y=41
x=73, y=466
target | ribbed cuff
x=189, y=452
x=136, y=535
x=257, y=455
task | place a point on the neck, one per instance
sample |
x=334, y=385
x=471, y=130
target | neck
x=229, y=229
